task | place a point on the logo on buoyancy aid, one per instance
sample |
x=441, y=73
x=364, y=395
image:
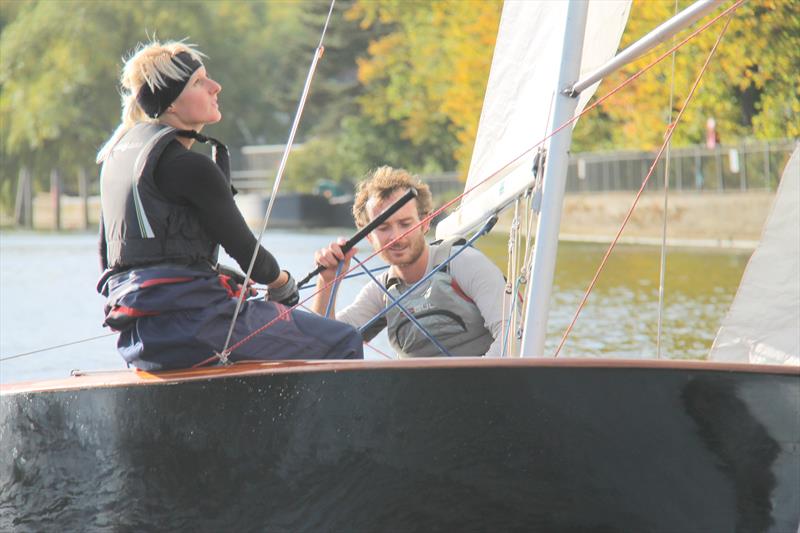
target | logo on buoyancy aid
x=443, y=309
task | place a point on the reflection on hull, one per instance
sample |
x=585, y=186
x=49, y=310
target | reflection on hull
x=455, y=445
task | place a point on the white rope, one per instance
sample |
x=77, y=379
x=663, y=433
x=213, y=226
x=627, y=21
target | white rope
x=279, y=176
x=509, y=303
x=663, y=263
x=519, y=274
x=531, y=217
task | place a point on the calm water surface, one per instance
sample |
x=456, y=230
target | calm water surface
x=48, y=298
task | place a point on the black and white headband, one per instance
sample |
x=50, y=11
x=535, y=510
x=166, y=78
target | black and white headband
x=155, y=103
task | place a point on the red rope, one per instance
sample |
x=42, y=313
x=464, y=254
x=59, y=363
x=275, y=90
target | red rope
x=384, y=354
x=667, y=136
x=286, y=311
x=445, y=206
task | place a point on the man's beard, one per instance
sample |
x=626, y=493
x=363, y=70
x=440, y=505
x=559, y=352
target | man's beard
x=415, y=249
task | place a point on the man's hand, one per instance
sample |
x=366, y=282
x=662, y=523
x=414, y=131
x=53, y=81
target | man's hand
x=284, y=290
x=330, y=256
x=329, y=259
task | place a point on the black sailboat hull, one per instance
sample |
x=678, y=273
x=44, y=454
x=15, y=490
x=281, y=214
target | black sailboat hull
x=437, y=445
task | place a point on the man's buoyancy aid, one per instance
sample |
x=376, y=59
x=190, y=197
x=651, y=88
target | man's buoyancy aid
x=441, y=306
x=141, y=225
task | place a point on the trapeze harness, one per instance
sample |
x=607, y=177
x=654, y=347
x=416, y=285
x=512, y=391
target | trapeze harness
x=442, y=307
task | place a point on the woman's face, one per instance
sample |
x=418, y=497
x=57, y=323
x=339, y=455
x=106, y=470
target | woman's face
x=197, y=104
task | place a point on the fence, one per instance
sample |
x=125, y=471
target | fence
x=740, y=167
x=726, y=168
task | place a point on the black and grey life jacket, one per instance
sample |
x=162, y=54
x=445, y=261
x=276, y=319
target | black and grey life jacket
x=440, y=305
x=141, y=225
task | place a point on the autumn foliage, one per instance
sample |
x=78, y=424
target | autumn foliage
x=431, y=70
x=750, y=88
x=401, y=81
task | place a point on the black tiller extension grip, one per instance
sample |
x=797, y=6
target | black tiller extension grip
x=363, y=232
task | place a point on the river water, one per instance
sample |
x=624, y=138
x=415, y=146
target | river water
x=48, y=299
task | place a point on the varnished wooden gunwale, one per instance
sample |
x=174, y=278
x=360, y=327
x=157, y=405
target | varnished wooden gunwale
x=128, y=378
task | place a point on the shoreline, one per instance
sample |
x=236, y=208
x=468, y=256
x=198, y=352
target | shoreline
x=732, y=220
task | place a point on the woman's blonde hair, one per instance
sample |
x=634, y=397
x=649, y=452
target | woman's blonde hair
x=152, y=64
x=381, y=184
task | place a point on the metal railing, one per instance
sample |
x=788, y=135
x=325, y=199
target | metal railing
x=755, y=165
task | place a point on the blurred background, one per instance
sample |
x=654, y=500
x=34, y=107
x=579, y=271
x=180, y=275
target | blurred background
x=401, y=84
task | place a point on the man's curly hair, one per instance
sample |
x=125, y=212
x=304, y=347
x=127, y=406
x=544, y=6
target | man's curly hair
x=381, y=184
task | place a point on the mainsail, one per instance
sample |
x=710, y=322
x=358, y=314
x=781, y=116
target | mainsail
x=763, y=324
x=519, y=95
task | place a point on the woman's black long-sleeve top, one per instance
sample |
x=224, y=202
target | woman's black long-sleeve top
x=190, y=178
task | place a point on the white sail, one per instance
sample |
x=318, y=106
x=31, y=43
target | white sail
x=519, y=94
x=763, y=324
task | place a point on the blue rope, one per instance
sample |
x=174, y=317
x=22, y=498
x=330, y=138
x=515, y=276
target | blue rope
x=354, y=275
x=334, y=289
x=396, y=302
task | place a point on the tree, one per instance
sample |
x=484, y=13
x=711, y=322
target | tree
x=60, y=62
x=58, y=102
x=750, y=88
x=401, y=83
x=429, y=74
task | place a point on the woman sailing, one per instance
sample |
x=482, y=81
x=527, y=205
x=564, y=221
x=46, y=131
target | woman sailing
x=165, y=212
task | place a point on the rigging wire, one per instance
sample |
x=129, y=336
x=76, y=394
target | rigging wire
x=447, y=205
x=531, y=217
x=320, y=50
x=40, y=350
x=663, y=263
x=520, y=274
x=668, y=136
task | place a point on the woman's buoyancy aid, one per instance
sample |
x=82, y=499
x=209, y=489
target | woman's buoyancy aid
x=440, y=305
x=141, y=225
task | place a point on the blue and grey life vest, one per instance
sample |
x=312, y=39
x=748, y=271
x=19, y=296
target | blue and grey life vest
x=141, y=225
x=443, y=309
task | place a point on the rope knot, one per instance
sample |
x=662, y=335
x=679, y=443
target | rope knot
x=223, y=357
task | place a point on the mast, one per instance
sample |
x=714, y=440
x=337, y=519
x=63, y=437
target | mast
x=554, y=181
x=553, y=185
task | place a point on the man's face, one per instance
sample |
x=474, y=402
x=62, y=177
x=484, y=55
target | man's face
x=406, y=250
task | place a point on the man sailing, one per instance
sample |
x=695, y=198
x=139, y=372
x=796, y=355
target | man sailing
x=461, y=305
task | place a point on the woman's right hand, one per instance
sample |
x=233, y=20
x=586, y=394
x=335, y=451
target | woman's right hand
x=329, y=258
